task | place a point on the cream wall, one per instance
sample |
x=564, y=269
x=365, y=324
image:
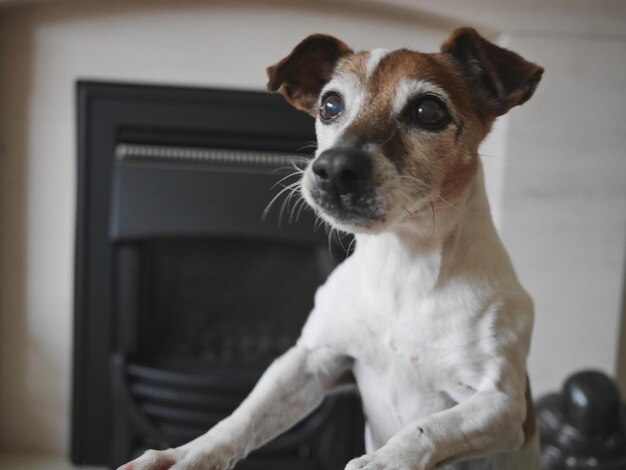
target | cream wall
x=557, y=177
x=565, y=201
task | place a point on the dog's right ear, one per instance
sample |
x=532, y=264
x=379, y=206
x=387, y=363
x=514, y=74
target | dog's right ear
x=498, y=78
x=302, y=74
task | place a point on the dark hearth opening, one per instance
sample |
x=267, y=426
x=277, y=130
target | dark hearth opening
x=227, y=301
x=184, y=295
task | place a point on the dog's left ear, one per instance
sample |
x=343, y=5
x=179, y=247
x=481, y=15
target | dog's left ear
x=301, y=75
x=498, y=78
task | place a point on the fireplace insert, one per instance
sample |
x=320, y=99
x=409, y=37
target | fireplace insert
x=184, y=293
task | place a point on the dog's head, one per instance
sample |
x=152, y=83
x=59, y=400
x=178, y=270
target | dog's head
x=398, y=131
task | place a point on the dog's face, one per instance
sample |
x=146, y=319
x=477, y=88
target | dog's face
x=398, y=131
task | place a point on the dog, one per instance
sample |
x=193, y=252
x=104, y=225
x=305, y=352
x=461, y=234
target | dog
x=427, y=315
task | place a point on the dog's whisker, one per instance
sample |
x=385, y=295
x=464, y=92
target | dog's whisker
x=297, y=162
x=302, y=205
x=423, y=188
x=295, y=208
x=487, y=155
x=292, y=209
x=460, y=209
x=420, y=189
x=308, y=145
x=299, y=170
x=432, y=228
x=275, y=198
x=352, y=242
x=340, y=240
x=319, y=221
x=291, y=175
x=449, y=204
x=280, y=169
x=285, y=204
x=330, y=238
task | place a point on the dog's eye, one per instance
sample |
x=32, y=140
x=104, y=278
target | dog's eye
x=331, y=106
x=429, y=112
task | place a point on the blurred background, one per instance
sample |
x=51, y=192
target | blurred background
x=556, y=167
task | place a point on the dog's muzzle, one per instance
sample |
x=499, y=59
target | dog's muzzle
x=344, y=185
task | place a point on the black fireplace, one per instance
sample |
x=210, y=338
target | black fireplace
x=184, y=294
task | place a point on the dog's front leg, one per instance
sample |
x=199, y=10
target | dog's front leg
x=489, y=422
x=292, y=387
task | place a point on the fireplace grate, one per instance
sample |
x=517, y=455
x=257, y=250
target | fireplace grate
x=172, y=406
x=138, y=154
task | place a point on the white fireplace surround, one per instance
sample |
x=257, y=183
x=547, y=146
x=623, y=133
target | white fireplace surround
x=556, y=166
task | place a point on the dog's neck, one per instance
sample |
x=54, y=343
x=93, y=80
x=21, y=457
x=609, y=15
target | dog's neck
x=438, y=236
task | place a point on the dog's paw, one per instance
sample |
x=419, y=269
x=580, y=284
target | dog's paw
x=153, y=460
x=180, y=459
x=386, y=458
x=359, y=463
x=375, y=462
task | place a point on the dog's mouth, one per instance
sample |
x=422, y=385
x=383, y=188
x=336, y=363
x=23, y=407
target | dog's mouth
x=358, y=209
x=371, y=207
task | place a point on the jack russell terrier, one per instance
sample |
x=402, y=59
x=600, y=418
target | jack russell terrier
x=427, y=315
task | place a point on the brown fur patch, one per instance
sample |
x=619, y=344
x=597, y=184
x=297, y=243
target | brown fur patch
x=530, y=423
x=400, y=65
x=456, y=181
x=442, y=159
x=301, y=75
x=500, y=78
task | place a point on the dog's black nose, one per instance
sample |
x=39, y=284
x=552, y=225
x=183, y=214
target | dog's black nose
x=344, y=168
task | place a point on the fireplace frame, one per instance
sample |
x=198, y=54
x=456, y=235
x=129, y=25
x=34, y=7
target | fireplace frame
x=110, y=113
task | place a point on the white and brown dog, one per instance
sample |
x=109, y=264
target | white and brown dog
x=427, y=314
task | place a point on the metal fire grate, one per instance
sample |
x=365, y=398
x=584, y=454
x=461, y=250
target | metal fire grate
x=155, y=155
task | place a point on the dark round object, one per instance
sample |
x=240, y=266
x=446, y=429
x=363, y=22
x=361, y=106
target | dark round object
x=591, y=403
x=429, y=112
x=584, y=426
x=549, y=415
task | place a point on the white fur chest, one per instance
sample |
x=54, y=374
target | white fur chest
x=418, y=341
